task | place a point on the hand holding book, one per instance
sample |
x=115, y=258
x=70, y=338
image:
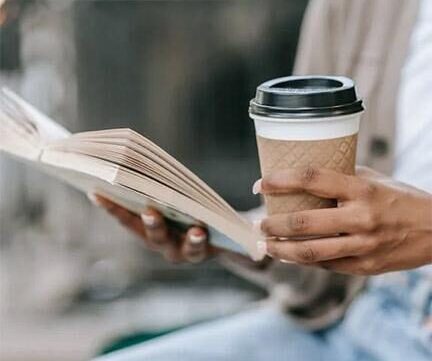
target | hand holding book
x=159, y=235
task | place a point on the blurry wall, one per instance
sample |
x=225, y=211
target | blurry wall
x=180, y=72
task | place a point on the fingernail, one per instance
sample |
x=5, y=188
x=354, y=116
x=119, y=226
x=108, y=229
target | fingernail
x=148, y=219
x=256, y=226
x=94, y=199
x=285, y=261
x=262, y=247
x=197, y=238
x=256, y=188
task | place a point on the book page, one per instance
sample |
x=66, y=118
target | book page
x=23, y=129
x=145, y=163
x=122, y=165
x=145, y=146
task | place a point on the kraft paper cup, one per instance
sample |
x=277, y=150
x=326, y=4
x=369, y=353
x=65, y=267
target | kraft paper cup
x=305, y=132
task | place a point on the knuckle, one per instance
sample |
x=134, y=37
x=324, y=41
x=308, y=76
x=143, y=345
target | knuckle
x=266, y=226
x=309, y=175
x=270, y=182
x=368, y=219
x=368, y=190
x=367, y=267
x=305, y=254
x=275, y=252
x=266, y=182
x=370, y=245
x=298, y=222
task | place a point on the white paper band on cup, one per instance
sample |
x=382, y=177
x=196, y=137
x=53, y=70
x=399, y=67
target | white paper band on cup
x=306, y=129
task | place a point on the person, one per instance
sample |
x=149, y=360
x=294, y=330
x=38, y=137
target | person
x=385, y=223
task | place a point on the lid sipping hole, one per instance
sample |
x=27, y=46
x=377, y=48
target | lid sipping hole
x=317, y=84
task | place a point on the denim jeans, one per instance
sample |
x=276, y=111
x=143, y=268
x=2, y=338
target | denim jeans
x=386, y=323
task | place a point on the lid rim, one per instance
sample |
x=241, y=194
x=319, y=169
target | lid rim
x=279, y=112
x=306, y=96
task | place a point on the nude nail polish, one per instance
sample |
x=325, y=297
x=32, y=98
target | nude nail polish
x=256, y=188
x=262, y=247
x=197, y=239
x=148, y=219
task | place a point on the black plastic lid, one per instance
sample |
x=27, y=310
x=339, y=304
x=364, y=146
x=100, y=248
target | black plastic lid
x=306, y=97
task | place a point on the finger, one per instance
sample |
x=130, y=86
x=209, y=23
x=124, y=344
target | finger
x=317, y=222
x=155, y=235
x=159, y=237
x=156, y=228
x=318, y=250
x=321, y=182
x=124, y=216
x=195, y=246
x=172, y=253
x=101, y=201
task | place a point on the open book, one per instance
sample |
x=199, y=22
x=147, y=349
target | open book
x=125, y=167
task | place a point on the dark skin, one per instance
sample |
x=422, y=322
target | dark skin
x=174, y=245
x=380, y=225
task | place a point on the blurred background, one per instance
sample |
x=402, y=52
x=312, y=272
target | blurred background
x=72, y=281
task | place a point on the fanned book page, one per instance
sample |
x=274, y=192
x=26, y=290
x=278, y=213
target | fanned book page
x=125, y=167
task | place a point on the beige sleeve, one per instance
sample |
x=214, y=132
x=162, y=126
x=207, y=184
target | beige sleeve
x=316, y=50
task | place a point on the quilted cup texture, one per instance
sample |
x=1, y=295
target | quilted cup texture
x=338, y=154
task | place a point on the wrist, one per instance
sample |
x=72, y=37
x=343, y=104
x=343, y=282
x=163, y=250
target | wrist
x=421, y=215
x=420, y=231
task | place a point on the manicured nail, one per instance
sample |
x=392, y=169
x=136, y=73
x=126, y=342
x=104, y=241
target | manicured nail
x=94, y=199
x=256, y=226
x=262, y=247
x=257, y=187
x=148, y=219
x=197, y=239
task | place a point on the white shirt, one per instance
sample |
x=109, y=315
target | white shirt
x=414, y=111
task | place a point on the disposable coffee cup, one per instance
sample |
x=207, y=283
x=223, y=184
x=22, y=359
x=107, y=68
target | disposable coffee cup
x=301, y=122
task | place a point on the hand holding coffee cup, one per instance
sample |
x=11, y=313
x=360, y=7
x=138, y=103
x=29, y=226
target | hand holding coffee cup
x=305, y=122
